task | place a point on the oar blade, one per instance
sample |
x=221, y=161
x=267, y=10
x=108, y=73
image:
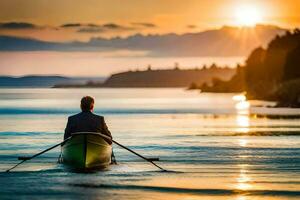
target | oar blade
x=139, y=155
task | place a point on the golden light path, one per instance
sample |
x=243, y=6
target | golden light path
x=242, y=118
x=243, y=178
x=243, y=126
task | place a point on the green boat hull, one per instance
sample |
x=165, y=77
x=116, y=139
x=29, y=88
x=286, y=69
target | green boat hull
x=86, y=151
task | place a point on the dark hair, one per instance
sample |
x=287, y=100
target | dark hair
x=87, y=103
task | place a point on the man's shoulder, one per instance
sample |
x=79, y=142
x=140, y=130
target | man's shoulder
x=74, y=116
x=98, y=116
x=90, y=114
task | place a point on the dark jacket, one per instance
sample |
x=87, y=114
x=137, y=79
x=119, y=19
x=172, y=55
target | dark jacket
x=86, y=122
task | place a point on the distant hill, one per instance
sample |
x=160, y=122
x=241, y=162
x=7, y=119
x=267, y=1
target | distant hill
x=43, y=81
x=12, y=43
x=226, y=41
x=167, y=78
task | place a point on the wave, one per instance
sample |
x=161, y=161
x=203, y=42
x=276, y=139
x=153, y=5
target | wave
x=207, y=134
x=119, y=111
x=255, y=133
x=198, y=148
x=190, y=190
x=13, y=133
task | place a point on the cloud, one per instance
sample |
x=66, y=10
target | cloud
x=78, y=25
x=18, y=25
x=75, y=27
x=71, y=25
x=191, y=26
x=93, y=25
x=143, y=24
x=113, y=26
x=94, y=28
x=90, y=30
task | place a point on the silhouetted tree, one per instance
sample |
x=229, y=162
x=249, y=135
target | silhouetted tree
x=288, y=94
x=266, y=69
x=273, y=72
x=176, y=66
x=193, y=86
x=292, y=66
x=214, y=66
x=149, y=68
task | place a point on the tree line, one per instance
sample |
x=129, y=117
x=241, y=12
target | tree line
x=271, y=73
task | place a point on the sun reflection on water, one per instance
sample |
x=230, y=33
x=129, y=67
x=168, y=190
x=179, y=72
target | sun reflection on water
x=239, y=97
x=242, y=122
x=243, y=180
x=242, y=107
x=243, y=142
x=242, y=118
x=241, y=198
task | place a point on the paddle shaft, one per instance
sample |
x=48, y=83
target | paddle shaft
x=29, y=158
x=139, y=155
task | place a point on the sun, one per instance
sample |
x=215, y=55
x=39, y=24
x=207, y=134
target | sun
x=247, y=15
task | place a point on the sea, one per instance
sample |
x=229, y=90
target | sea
x=214, y=146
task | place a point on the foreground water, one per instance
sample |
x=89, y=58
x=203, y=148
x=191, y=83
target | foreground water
x=217, y=150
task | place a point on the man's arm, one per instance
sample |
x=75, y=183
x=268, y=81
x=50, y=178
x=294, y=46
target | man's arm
x=105, y=129
x=68, y=130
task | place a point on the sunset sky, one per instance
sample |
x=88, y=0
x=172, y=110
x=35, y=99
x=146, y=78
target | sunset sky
x=69, y=20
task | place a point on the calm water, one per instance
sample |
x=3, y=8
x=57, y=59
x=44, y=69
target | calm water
x=218, y=151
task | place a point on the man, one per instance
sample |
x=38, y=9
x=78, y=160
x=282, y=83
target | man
x=86, y=121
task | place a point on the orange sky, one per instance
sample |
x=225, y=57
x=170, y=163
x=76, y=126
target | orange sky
x=131, y=17
x=167, y=15
x=54, y=12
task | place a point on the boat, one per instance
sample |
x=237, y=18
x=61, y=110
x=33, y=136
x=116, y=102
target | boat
x=86, y=150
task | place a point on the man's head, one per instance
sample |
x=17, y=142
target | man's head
x=87, y=103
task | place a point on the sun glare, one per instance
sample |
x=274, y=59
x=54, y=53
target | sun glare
x=248, y=16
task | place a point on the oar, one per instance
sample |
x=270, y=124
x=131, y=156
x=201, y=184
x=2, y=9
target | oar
x=29, y=158
x=153, y=159
x=139, y=155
